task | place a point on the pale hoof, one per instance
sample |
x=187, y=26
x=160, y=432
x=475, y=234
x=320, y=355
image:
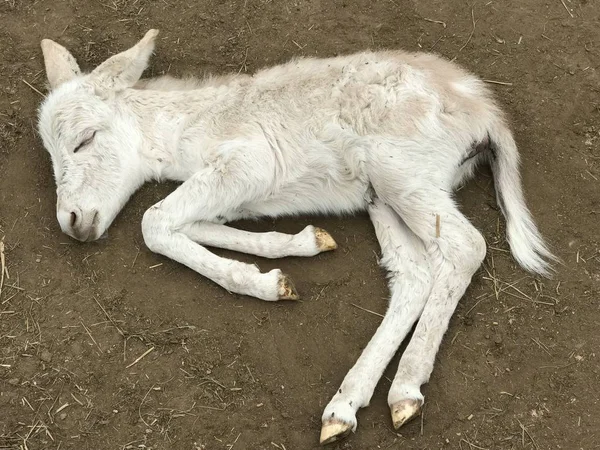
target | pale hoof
x=325, y=242
x=404, y=411
x=334, y=430
x=286, y=288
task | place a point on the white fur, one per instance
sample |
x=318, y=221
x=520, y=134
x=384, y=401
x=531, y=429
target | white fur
x=390, y=132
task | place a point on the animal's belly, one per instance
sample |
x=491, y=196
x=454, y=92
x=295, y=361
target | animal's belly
x=305, y=197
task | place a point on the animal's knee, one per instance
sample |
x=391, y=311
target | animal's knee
x=479, y=247
x=154, y=228
x=468, y=249
x=474, y=248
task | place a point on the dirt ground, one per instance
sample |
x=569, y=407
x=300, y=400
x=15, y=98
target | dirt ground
x=519, y=366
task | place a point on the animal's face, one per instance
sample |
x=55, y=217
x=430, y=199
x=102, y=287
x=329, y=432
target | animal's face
x=94, y=145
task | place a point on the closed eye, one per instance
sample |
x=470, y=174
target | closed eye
x=85, y=142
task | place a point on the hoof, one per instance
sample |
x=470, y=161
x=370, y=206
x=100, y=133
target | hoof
x=325, y=242
x=286, y=289
x=334, y=430
x=404, y=411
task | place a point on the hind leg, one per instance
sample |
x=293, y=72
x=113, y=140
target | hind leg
x=455, y=250
x=410, y=282
x=455, y=255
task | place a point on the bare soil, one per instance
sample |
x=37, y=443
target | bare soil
x=519, y=367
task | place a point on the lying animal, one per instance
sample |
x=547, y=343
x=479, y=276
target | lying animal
x=389, y=132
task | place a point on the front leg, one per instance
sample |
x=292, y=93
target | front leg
x=309, y=242
x=212, y=192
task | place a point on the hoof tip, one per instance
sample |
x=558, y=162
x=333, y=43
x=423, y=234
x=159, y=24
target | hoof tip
x=287, y=290
x=404, y=411
x=325, y=242
x=334, y=430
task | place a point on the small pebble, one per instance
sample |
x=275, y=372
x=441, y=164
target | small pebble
x=13, y=381
x=46, y=356
x=62, y=416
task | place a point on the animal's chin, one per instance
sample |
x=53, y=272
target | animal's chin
x=96, y=236
x=93, y=235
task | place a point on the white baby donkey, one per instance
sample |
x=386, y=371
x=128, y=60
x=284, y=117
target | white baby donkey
x=389, y=132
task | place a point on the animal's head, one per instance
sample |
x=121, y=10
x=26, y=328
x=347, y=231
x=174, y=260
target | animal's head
x=94, y=145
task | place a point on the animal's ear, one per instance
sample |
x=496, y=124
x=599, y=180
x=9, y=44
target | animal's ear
x=124, y=69
x=60, y=64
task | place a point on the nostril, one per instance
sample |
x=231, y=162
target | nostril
x=73, y=219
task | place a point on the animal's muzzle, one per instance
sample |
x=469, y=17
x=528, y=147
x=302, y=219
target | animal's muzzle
x=79, y=224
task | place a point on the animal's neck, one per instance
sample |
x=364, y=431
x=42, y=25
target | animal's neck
x=166, y=118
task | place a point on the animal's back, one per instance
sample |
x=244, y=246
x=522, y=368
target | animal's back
x=385, y=92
